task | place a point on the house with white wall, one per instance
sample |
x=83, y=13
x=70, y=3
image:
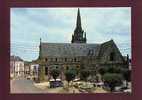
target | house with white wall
x=16, y=66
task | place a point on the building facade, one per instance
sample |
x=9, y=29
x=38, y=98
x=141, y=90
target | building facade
x=16, y=67
x=27, y=69
x=34, y=70
x=78, y=54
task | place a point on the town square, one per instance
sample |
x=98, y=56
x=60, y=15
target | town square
x=77, y=60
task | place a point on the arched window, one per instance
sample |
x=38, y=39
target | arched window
x=65, y=59
x=74, y=59
x=56, y=59
x=46, y=59
x=46, y=70
x=67, y=68
x=112, y=56
x=77, y=67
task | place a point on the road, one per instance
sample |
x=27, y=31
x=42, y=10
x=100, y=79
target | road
x=24, y=86
x=27, y=86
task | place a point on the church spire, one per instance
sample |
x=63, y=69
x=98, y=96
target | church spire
x=40, y=48
x=78, y=22
x=78, y=36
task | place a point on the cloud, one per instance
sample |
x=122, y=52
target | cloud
x=58, y=24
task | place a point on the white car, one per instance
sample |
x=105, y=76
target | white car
x=127, y=90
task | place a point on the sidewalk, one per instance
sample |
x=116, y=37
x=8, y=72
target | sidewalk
x=43, y=85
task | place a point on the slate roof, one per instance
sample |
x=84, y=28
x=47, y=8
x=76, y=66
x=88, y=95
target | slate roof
x=15, y=58
x=104, y=46
x=68, y=49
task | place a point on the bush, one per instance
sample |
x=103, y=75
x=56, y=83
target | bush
x=127, y=74
x=84, y=74
x=110, y=69
x=55, y=73
x=112, y=80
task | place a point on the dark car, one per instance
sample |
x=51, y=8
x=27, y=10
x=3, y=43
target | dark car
x=54, y=84
x=123, y=88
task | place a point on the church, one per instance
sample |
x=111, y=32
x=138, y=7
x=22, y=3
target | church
x=78, y=54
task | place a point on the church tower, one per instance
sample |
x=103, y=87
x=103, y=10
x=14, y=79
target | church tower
x=79, y=35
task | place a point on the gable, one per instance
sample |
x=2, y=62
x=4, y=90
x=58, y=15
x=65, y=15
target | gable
x=110, y=52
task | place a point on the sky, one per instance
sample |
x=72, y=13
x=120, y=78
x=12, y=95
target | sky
x=56, y=25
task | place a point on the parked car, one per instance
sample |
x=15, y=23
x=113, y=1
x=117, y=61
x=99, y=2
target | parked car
x=121, y=89
x=57, y=83
x=127, y=90
x=28, y=77
x=76, y=80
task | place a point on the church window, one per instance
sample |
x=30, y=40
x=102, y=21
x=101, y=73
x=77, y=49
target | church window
x=46, y=59
x=56, y=59
x=46, y=70
x=65, y=59
x=74, y=59
x=112, y=55
x=77, y=67
x=67, y=68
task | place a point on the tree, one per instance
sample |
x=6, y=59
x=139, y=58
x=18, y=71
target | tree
x=55, y=73
x=84, y=74
x=114, y=69
x=127, y=74
x=70, y=75
x=112, y=80
x=110, y=69
x=103, y=70
x=75, y=70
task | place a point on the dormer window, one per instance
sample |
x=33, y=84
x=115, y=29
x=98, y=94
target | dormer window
x=90, y=52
